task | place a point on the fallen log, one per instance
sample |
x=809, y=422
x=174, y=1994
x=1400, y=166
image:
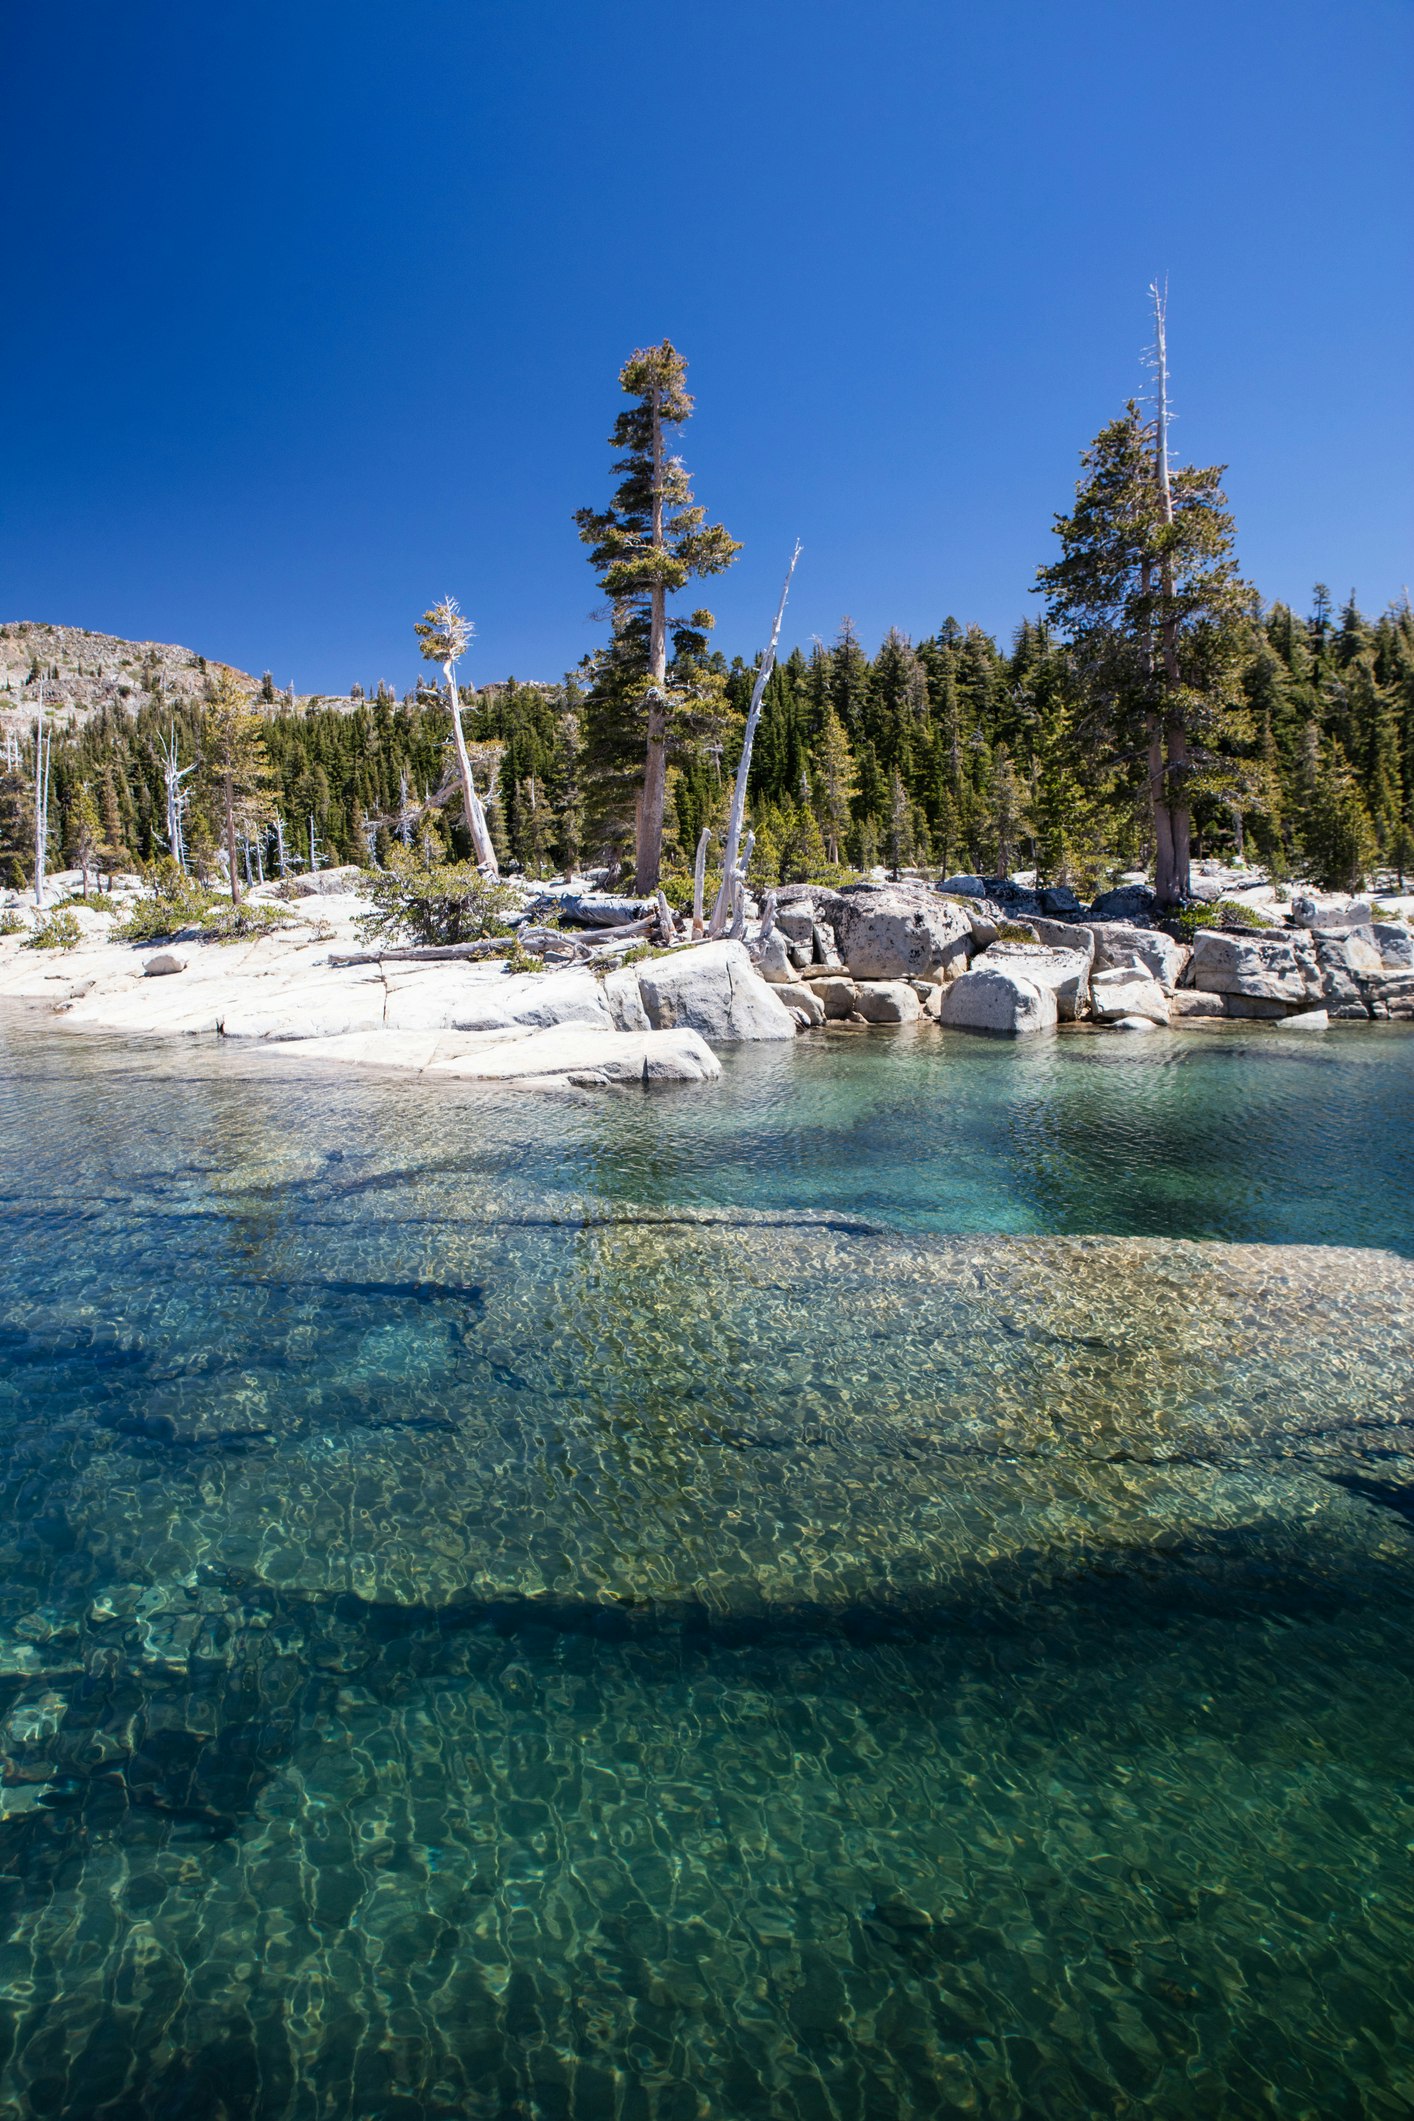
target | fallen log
x=430, y=953
x=540, y=941
x=596, y=911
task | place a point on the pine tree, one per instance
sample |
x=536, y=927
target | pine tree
x=835, y=782
x=649, y=543
x=85, y=831
x=1148, y=593
x=235, y=769
x=1338, y=836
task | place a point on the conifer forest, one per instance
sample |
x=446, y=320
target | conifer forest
x=1149, y=706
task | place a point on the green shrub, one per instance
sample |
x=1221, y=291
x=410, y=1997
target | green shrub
x=171, y=903
x=1226, y=913
x=239, y=923
x=435, y=902
x=11, y=924
x=59, y=930
x=518, y=960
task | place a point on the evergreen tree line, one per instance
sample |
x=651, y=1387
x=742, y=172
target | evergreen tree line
x=1155, y=711
x=949, y=753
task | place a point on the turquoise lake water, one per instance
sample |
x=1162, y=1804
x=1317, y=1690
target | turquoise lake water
x=882, y=1587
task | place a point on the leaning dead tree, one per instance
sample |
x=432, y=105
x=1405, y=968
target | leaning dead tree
x=731, y=894
x=445, y=634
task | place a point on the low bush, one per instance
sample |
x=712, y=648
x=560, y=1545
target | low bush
x=171, y=903
x=432, y=903
x=239, y=923
x=59, y=930
x=1224, y=913
x=11, y=924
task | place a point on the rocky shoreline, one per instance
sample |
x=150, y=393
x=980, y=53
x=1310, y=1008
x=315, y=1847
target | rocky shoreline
x=970, y=956
x=886, y=953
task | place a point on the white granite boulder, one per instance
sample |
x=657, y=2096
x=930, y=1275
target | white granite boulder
x=1396, y=945
x=803, y=1002
x=1065, y=972
x=887, y=1002
x=989, y=998
x=1330, y=910
x=1119, y=945
x=712, y=989
x=1127, y=991
x=1272, y=968
x=899, y=931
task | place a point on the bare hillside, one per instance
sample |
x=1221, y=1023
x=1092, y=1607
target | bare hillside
x=84, y=671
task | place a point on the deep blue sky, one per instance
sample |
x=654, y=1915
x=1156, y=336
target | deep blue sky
x=316, y=307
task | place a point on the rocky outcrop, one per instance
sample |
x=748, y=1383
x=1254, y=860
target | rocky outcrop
x=803, y=1002
x=1267, y=967
x=1120, y=945
x=1062, y=935
x=1331, y=910
x=991, y=999
x=899, y=931
x=1135, y=904
x=1396, y=945
x=623, y=1001
x=1127, y=991
x=324, y=883
x=714, y=990
x=837, y=994
x=887, y=1002
x=773, y=960
x=1189, y=1005
x=1064, y=972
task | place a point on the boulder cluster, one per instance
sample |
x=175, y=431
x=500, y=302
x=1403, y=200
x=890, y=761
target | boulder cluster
x=891, y=952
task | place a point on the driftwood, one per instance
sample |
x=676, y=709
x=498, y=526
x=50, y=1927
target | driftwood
x=597, y=938
x=539, y=941
x=430, y=953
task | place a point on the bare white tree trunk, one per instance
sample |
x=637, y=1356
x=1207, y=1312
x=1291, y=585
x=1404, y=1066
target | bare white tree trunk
x=1172, y=871
x=41, y=798
x=721, y=911
x=475, y=816
x=738, y=928
x=699, y=881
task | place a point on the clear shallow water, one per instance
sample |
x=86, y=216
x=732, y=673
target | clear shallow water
x=796, y=1599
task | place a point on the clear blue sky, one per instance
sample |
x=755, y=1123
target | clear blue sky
x=316, y=307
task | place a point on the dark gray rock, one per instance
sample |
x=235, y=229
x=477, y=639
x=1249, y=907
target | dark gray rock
x=1134, y=903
